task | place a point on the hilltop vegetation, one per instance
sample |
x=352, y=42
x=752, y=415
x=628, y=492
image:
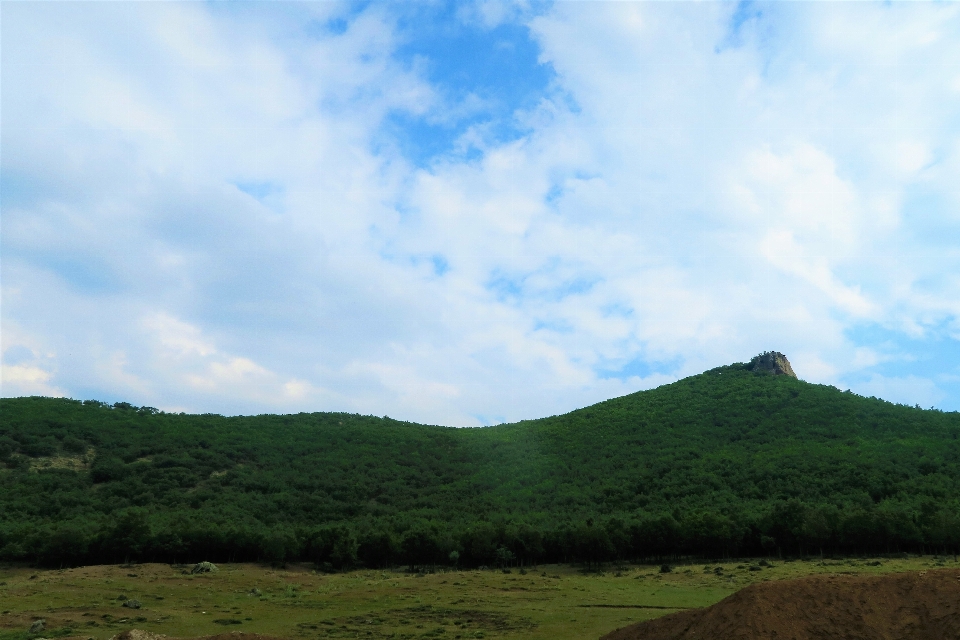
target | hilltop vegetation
x=726, y=463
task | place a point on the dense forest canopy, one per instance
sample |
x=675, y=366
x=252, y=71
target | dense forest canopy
x=729, y=462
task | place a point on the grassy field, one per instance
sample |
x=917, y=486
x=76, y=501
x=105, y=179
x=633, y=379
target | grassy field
x=551, y=602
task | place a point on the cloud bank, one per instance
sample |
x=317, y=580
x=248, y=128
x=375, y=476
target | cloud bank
x=468, y=215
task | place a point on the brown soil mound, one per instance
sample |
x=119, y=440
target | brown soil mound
x=923, y=605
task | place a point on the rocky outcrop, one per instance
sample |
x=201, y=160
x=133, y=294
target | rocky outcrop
x=137, y=634
x=203, y=567
x=772, y=362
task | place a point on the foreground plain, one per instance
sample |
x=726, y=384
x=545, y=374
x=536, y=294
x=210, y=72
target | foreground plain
x=553, y=601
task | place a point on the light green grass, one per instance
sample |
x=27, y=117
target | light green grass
x=552, y=602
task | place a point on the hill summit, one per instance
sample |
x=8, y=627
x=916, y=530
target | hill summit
x=730, y=462
x=772, y=362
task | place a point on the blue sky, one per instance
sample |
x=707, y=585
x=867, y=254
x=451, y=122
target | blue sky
x=464, y=213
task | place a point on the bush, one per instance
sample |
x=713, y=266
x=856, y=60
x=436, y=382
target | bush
x=107, y=470
x=39, y=448
x=74, y=445
x=7, y=447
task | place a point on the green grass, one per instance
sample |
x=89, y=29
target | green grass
x=551, y=602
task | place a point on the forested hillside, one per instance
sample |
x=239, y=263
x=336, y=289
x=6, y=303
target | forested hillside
x=725, y=463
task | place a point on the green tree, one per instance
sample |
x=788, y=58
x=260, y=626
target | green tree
x=128, y=536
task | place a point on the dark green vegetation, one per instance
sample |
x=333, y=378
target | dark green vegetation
x=726, y=463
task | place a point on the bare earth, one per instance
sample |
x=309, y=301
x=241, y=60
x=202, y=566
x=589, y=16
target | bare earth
x=137, y=634
x=919, y=605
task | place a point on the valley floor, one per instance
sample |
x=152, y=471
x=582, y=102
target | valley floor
x=550, y=602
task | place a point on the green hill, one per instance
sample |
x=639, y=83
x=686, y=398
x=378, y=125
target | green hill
x=725, y=463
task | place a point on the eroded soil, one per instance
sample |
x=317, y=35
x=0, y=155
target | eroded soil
x=919, y=605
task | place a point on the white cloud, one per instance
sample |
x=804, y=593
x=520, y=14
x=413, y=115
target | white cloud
x=27, y=380
x=177, y=338
x=27, y=366
x=203, y=208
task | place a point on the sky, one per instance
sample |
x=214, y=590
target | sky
x=466, y=214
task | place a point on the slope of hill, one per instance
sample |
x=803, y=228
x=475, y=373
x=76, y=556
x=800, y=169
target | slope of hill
x=727, y=462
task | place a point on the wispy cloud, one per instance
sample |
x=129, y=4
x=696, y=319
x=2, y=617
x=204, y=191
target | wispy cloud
x=474, y=213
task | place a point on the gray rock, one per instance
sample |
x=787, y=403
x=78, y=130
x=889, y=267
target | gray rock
x=772, y=362
x=132, y=603
x=204, y=567
x=37, y=626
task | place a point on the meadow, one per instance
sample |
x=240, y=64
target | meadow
x=549, y=602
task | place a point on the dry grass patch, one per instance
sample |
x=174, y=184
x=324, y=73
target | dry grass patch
x=79, y=462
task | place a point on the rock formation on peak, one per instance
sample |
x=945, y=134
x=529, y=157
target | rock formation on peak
x=772, y=362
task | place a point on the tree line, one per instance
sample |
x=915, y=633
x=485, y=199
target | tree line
x=789, y=529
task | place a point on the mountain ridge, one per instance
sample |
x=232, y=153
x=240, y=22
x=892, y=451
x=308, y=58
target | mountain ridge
x=726, y=462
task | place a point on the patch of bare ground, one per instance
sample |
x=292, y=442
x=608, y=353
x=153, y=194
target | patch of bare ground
x=137, y=634
x=918, y=605
x=427, y=616
x=80, y=462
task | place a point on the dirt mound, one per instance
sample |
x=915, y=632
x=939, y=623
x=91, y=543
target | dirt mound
x=923, y=605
